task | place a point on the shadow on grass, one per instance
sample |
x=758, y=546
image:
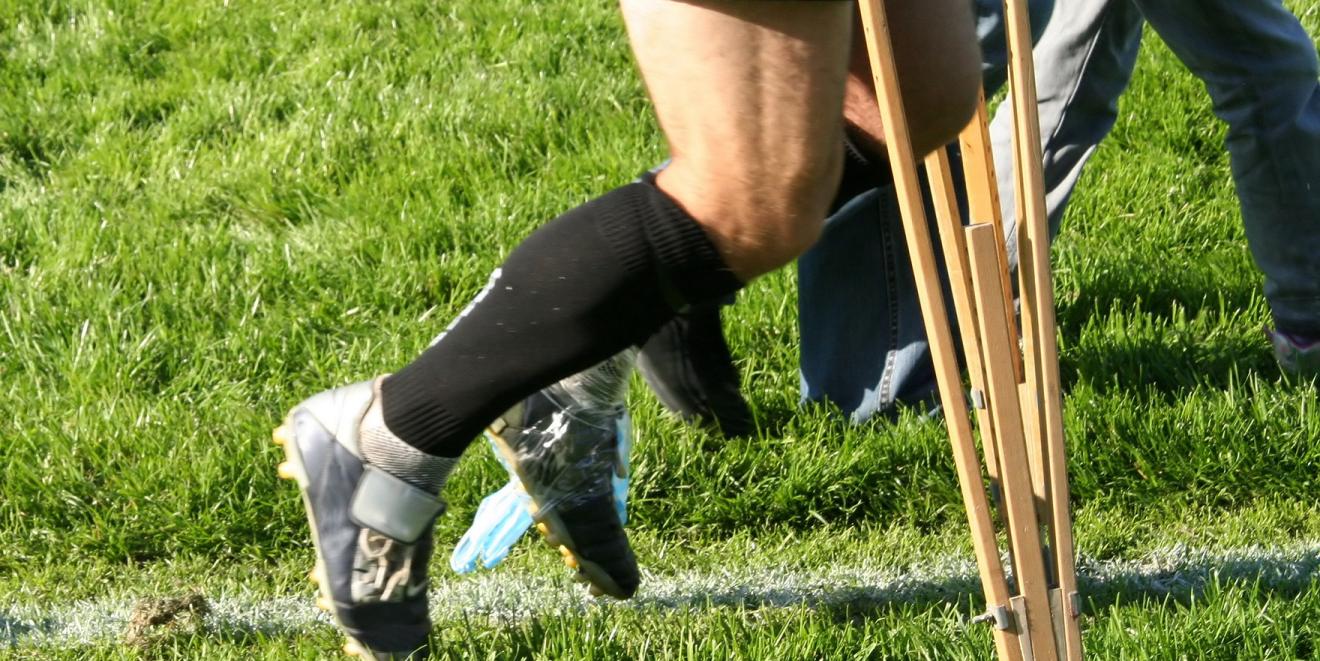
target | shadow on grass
x=1174, y=576
x=12, y=628
x=1164, y=335
x=1159, y=297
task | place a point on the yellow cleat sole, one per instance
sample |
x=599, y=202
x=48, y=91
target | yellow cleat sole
x=598, y=580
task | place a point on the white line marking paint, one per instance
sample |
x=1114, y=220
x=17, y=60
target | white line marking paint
x=1176, y=572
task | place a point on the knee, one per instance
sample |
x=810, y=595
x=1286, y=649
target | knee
x=940, y=106
x=935, y=113
x=786, y=240
x=939, y=93
x=772, y=222
x=766, y=245
x=939, y=68
x=760, y=213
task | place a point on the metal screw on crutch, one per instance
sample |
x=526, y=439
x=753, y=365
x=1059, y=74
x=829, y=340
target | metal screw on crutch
x=996, y=615
x=977, y=397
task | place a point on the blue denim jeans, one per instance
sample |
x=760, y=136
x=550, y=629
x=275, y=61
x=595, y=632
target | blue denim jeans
x=863, y=344
x=862, y=341
x=1260, y=69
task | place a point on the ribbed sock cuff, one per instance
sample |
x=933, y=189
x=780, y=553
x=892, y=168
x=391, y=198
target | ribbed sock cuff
x=412, y=412
x=384, y=449
x=688, y=263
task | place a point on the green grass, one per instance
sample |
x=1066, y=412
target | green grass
x=210, y=210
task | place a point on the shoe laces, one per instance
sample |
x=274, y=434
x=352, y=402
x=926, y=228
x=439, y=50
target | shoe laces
x=392, y=560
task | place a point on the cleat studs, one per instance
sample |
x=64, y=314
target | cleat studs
x=351, y=648
x=280, y=437
x=595, y=590
x=323, y=603
x=569, y=559
x=314, y=576
x=548, y=535
x=285, y=471
x=579, y=577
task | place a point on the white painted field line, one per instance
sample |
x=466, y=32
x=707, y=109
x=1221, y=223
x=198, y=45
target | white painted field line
x=1177, y=571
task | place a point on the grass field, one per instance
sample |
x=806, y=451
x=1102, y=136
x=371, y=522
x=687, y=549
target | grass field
x=209, y=210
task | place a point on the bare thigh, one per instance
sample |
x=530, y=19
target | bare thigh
x=750, y=98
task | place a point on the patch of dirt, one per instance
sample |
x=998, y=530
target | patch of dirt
x=157, y=618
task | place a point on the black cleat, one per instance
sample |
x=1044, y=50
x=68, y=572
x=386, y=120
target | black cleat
x=372, y=532
x=562, y=444
x=688, y=365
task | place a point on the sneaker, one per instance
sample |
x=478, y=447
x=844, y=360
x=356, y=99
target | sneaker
x=562, y=445
x=688, y=365
x=372, y=531
x=1297, y=356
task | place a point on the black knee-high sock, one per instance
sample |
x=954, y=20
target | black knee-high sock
x=583, y=287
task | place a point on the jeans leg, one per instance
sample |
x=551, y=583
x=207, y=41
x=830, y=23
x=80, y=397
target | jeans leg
x=1086, y=56
x=863, y=340
x=1259, y=66
x=847, y=308
x=994, y=47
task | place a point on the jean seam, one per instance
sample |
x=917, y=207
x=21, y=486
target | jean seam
x=886, y=397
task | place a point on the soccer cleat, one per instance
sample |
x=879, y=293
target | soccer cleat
x=1297, y=356
x=372, y=532
x=688, y=365
x=505, y=515
x=562, y=445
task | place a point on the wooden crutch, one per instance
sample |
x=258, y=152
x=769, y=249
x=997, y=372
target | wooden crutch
x=1040, y=621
